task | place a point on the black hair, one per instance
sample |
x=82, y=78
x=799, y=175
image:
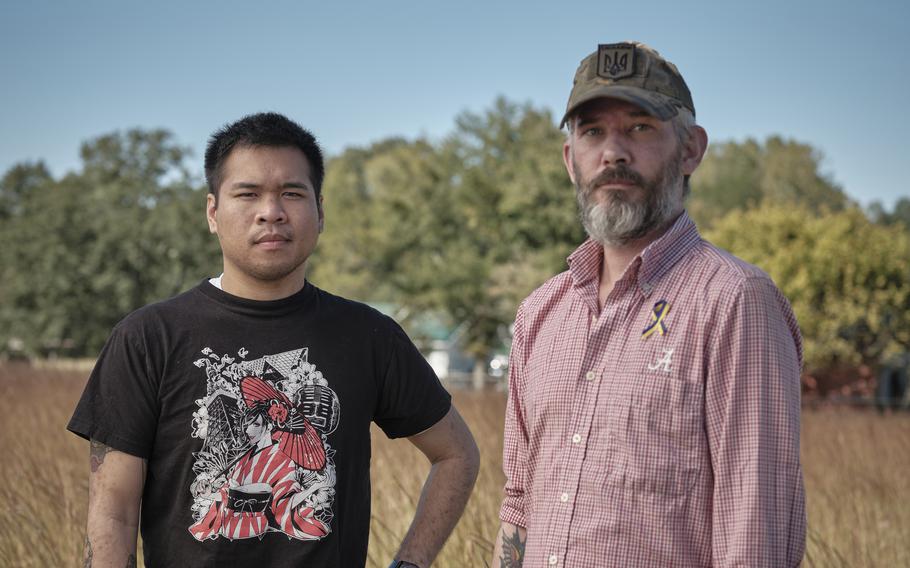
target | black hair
x=250, y=413
x=263, y=129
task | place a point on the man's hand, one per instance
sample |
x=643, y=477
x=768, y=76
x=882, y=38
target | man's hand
x=509, y=551
x=455, y=460
x=114, y=494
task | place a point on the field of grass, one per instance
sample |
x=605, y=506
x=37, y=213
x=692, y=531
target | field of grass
x=856, y=465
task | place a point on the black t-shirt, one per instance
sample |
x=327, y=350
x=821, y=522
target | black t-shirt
x=255, y=421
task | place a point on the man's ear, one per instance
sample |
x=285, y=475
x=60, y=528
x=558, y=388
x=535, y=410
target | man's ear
x=568, y=158
x=694, y=150
x=321, y=214
x=211, y=206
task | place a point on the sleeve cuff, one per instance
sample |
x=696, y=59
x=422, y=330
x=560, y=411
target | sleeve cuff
x=84, y=430
x=426, y=422
x=512, y=512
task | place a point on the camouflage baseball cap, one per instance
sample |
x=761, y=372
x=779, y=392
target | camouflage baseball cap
x=632, y=72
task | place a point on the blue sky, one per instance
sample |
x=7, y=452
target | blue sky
x=831, y=73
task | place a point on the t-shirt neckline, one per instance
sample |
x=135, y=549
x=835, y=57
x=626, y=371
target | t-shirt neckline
x=247, y=306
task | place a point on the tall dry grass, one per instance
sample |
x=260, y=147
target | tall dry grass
x=43, y=471
x=398, y=471
x=856, y=465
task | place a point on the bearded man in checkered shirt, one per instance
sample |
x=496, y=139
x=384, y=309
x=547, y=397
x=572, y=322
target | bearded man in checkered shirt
x=653, y=411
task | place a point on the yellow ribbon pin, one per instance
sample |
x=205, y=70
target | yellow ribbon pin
x=658, y=313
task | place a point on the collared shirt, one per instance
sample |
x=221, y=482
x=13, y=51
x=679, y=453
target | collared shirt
x=678, y=447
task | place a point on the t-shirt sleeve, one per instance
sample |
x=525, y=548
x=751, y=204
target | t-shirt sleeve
x=411, y=398
x=119, y=406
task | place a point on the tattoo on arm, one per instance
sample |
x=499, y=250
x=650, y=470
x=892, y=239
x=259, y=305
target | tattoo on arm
x=87, y=561
x=98, y=452
x=513, y=550
x=87, y=554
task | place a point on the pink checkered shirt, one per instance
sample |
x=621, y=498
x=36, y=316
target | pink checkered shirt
x=676, y=449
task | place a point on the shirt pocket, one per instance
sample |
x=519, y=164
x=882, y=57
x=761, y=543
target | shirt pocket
x=657, y=433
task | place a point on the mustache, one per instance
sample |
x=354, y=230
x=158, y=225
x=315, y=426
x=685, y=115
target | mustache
x=619, y=173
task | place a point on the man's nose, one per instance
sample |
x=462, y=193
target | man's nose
x=615, y=149
x=271, y=209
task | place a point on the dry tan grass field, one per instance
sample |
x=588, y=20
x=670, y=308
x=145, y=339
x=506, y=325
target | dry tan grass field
x=856, y=464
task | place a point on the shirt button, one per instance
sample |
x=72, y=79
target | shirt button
x=564, y=497
x=552, y=560
x=590, y=375
x=576, y=438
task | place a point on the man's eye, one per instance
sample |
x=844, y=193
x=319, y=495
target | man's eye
x=641, y=127
x=246, y=195
x=293, y=194
x=592, y=132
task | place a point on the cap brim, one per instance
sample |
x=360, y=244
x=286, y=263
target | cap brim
x=657, y=105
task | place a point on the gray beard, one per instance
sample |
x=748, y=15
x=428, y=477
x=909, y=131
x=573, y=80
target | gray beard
x=616, y=220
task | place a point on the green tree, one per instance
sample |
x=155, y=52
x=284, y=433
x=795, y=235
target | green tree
x=739, y=176
x=845, y=276
x=18, y=183
x=465, y=227
x=126, y=230
x=515, y=209
x=381, y=212
x=900, y=215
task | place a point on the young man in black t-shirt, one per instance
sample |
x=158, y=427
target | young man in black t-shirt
x=236, y=416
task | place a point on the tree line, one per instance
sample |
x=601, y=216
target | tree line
x=464, y=226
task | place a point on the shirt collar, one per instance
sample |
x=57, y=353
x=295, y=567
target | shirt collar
x=653, y=262
x=584, y=263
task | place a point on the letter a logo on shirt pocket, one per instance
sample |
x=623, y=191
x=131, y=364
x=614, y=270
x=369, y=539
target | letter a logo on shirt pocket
x=664, y=362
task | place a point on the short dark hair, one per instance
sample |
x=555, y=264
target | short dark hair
x=262, y=129
x=260, y=408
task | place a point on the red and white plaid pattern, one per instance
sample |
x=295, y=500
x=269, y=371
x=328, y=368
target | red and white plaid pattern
x=679, y=449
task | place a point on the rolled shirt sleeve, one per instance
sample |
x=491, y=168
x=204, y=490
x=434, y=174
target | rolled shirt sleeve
x=515, y=441
x=753, y=427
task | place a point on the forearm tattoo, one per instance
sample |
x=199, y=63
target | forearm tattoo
x=87, y=561
x=87, y=554
x=513, y=550
x=98, y=452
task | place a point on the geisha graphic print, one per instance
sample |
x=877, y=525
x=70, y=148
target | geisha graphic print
x=264, y=465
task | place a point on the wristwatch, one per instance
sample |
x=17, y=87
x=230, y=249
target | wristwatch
x=402, y=564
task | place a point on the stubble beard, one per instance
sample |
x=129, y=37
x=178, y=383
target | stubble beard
x=616, y=219
x=264, y=270
x=271, y=272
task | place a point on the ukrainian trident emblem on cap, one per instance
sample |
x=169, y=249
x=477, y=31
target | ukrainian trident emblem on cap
x=615, y=60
